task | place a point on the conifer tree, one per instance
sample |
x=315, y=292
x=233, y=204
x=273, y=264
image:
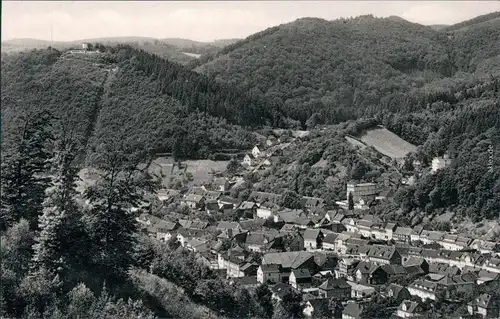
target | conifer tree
x=58, y=206
x=111, y=218
x=23, y=166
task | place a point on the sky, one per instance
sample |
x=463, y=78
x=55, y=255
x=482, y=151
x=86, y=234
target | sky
x=206, y=20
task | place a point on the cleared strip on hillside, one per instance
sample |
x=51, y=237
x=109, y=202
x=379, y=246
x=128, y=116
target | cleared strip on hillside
x=387, y=142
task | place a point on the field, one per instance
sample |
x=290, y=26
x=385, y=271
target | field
x=387, y=143
x=201, y=170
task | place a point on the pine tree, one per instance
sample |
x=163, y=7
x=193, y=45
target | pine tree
x=58, y=206
x=111, y=220
x=23, y=166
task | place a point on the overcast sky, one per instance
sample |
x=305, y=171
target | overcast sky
x=206, y=20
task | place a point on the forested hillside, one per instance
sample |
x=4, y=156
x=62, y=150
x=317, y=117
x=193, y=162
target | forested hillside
x=444, y=99
x=129, y=95
x=345, y=69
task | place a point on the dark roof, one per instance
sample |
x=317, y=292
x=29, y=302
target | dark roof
x=330, y=238
x=382, y=252
x=281, y=289
x=414, y=270
x=291, y=259
x=334, y=283
x=352, y=309
x=320, y=304
x=247, y=280
x=302, y=273
x=396, y=290
x=228, y=225
x=311, y=234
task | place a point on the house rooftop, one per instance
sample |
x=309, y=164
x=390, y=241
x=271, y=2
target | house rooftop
x=334, y=283
x=311, y=234
x=302, y=273
x=291, y=259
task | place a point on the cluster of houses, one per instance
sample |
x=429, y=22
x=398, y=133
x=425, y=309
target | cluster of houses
x=345, y=255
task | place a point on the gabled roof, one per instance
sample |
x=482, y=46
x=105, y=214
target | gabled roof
x=228, y=225
x=311, y=201
x=229, y=199
x=163, y=225
x=291, y=259
x=364, y=223
x=394, y=270
x=194, y=198
x=330, y=238
x=302, y=273
x=303, y=221
x=352, y=309
x=256, y=239
x=382, y=252
x=311, y=234
x=414, y=270
x=396, y=290
x=212, y=195
x=365, y=267
x=247, y=205
x=417, y=230
x=425, y=285
x=334, y=283
x=249, y=224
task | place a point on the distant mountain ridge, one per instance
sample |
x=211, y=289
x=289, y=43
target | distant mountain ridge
x=171, y=49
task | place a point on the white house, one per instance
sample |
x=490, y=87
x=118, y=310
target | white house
x=424, y=289
x=265, y=211
x=408, y=309
x=440, y=162
x=256, y=152
x=248, y=160
x=269, y=273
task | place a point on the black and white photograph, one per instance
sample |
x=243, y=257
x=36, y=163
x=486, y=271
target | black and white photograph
x=250, y=159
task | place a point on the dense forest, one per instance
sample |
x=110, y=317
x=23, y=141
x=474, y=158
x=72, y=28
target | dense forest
x=348, y=68
x=132, y=95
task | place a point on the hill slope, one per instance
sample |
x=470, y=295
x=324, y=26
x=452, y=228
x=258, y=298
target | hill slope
x=131, y=96
x=346, y=69
x=342, y=68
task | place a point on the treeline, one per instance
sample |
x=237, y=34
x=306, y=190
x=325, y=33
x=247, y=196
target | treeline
x=471, y=22
x=200, y=93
